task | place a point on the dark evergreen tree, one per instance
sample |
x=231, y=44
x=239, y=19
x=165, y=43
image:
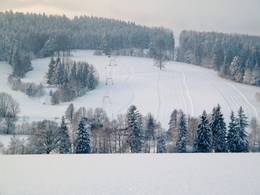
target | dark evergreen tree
x=242, y=123
x=51, y=71
x=134, y=122
x=182, y=139
x=161, y=143
x=60, y=75
x=82, y=145
x=64, y=139
x=20, y=62
x=204, y=139
x=233, y=137
x=92, y=79
x=218, y=127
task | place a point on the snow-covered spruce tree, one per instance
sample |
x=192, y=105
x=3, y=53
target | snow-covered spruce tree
x=161, y=143
x=233, y=134
x=204, y=139
x=242, y=123
x=248, y=76
x=51, y=72
x=60, y=75
x=82, y=145
x=134, y=122
x=64, y=139
x=182, y=139
x=236, y=69
x=218, y=127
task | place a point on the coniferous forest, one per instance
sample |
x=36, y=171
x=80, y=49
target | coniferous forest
x=26, y=36
x=234, y=56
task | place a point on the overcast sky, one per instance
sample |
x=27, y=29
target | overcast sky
x=235, y=16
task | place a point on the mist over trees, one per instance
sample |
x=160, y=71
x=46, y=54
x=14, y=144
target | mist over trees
x=236, y=57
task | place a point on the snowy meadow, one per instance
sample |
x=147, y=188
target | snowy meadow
x=142, y=174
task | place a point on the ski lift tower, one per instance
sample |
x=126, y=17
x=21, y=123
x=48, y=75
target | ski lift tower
x=109, y=69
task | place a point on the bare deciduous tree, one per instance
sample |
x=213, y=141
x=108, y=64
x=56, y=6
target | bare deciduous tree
x=9, y=110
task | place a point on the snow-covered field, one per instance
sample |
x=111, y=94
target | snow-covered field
x=137, y=81
x=215, y=174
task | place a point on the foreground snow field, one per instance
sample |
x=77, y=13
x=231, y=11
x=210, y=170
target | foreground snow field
x=223, y=174
x=137, y=81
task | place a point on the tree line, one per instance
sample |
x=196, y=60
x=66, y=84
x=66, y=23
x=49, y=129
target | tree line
x=86, y=131
x=24, y=36
x=235, y=56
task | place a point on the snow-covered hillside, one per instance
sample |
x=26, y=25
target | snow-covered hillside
x=213, y=174
x=137, y=81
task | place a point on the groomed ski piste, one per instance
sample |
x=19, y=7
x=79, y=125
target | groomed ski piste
x=130, y=174
x=137, y=81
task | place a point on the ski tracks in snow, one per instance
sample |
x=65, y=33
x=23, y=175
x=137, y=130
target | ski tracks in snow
x=244, y=98
x=233, y=101
x=187, y=90
x=132, y=96
x=159, y=95
x=227, y=102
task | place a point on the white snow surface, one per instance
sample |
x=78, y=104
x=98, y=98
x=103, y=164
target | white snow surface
x=128, y=174
x=137, y=81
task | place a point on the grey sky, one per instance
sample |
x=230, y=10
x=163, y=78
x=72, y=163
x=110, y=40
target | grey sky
x=236, y=16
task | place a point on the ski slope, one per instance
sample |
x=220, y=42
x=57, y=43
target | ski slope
x=137, y=81
x=147, y=174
